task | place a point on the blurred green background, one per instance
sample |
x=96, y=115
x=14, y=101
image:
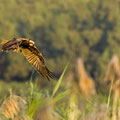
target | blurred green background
x=63, y=30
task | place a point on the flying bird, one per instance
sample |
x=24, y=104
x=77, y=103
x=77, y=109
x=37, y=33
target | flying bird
x=30, y=51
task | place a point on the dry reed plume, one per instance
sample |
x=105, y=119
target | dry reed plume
x=113, y=75
x=86, y=83
x=13, y=107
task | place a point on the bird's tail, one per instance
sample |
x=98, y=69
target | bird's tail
x=50, y=74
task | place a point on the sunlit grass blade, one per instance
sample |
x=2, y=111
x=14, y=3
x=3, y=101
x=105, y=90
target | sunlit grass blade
x=60, y=96
x=108, y=103
x=36, y=103
x=59, y=81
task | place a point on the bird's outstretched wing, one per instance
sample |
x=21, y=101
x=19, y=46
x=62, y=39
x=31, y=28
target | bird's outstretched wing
x=31, y=53
x=35, y=58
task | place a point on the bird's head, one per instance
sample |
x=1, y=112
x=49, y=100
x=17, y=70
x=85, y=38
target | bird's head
x=31, y=43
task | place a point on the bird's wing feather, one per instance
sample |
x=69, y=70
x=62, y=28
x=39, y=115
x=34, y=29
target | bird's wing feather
x=37, y=61
x=31, y=57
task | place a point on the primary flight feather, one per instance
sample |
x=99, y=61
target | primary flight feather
x=30, y=51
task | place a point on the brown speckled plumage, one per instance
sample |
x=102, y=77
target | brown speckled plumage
x=30, y=51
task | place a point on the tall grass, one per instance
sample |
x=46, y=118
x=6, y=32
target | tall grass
x=59, y=82
x=110, y=91
x=37, y=103
x=61, y=103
